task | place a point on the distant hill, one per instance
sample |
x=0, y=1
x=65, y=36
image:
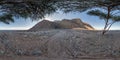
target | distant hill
x=63, y=24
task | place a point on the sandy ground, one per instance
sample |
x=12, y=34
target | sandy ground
x=46, y=58
x=59, y=44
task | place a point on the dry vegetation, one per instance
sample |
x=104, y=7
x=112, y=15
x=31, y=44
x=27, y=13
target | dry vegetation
x=60, y=44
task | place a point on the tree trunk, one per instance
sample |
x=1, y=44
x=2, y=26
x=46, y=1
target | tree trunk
x=106, y=22
x=110, y=25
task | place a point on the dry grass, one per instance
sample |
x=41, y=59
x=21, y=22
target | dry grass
x=61, y=43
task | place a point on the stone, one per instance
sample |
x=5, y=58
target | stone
x=63, y=24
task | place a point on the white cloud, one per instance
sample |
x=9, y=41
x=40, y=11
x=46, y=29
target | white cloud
x=14, y=28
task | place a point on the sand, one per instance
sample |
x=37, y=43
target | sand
x=60, y=45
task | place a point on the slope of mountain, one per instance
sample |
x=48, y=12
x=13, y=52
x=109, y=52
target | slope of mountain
x=63, y=24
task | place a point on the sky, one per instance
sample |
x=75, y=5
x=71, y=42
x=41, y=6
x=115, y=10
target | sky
x=25, y=24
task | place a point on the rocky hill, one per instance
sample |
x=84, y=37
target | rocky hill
x=63, y=24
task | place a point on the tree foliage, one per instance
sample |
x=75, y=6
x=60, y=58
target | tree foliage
x=103, y=15
x=6, y=18
x=110, y=6
x=74, y=5
x=33, y=9
x=36, y=9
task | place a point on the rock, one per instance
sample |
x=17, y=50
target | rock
x=87, y=26
x=37, y=53
x=63, y=24
x=25, y=36
x=45, y=24
x=2, y=52
x=19, y=52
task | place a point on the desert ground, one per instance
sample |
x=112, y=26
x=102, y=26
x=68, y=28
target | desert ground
x=47, y=58
x=59, y=44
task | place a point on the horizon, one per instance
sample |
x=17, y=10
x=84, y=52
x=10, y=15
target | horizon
x=25, y=24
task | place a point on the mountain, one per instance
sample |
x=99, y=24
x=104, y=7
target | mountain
x=63, y=24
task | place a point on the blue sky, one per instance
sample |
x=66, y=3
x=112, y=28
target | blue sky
x=24, y=24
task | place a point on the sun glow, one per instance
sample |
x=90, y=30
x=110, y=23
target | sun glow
x=15, y=28
x=47, y=18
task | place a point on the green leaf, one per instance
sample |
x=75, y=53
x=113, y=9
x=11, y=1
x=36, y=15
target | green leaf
x=98, y=13
x=6, y=18
x=116, y=18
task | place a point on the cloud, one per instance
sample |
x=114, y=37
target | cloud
x=14, y=28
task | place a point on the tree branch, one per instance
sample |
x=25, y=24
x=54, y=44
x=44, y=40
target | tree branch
x=8, y=2
x=110, y=25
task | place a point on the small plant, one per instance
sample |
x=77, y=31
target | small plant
x=4, y=39
x=72, y=48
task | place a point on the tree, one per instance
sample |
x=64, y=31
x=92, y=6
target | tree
x=33, y=9
x=110, y=6
x=74, y=5
x=114, y=17
x=36, y=9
